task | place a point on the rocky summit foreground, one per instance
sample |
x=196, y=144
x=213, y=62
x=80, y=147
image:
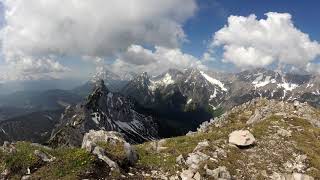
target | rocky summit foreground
x=261, y=139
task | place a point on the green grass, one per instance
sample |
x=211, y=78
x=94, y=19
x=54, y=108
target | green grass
x=182, y=145
x=308, y=141
x=117, y=151
x=69, y=162
x=21, y=160
x=2, y=161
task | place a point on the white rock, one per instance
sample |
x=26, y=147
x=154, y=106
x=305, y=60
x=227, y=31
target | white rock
x=197, y=176
x=284, y=133
x=131, y=154
x=180, y=160
x=6, y=172
x=43, y=156
x=187, y=175
x=201, y=145
x=241, y=138
x=298, y=176
x=101, y=155
x=174, y=178
x=220, y=173
x=194, y=159
x=256, y=117
x=158, y=146
x=26, y=177
x=92, y=137
x=294, y=176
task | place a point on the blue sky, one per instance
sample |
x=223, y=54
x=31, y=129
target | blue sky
x=212, y=16
x=71, y=34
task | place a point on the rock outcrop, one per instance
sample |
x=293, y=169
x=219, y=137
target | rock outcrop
x=102, y=143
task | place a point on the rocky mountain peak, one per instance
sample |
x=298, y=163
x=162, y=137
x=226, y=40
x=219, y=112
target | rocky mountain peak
x=103, y=110
x=100, y=86
x=105, y=74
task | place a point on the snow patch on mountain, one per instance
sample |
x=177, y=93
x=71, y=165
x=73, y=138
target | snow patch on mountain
x=317, y=92
x=214, y=95
x=288, y=86
x=95, y=118
x=165, y=81
x=309, y=85
x=213, y=107
x=4, y=131
x=213, y=81
x=260, y=82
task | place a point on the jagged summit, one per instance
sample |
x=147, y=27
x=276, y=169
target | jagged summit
x=100, y=86
x=103, y=110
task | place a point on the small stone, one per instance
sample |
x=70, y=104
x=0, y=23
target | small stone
x=201, y=145
x=197, y=176
x=158, y=146
x=284, y=133
x=256, y=117
x=25, y=177
x=294, y=176
x=241, y=138
x=5, y=173
x=186, y=174
x=43, y=156
x=28, y=171
x=180, y=160
x=299, y=176
x=220, y=173
x=174, y=178
x=194, y=159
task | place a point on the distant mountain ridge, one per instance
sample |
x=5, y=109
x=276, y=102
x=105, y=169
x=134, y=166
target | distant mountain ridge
x=178, y=101
x=186, y=98
x=224, y=90
x=34, y=127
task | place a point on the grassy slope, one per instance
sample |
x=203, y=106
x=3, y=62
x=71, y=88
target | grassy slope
x=271, y=149
x=69, y=164
x=304, y=141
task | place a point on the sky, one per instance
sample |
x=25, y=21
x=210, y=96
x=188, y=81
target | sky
x=42, y=39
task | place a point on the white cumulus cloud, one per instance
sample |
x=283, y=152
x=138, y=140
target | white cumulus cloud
x=40, y=29
x=313, y=68
x=138, y=59
x=250, y=42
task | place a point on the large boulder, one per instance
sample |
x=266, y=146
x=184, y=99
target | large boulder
x=112, y=145
x=241, y=138
x=93, y=138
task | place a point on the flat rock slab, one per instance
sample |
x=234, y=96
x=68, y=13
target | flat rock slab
x=241, y=138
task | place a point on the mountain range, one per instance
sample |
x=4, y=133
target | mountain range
x=173, y=103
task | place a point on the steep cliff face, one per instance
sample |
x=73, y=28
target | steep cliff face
x=107, y=111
